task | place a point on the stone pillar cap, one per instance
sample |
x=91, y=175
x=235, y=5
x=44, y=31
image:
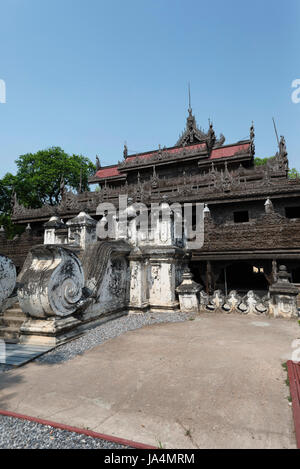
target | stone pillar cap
x=54, y=222
x=283, y=285
x=188, y=285
x=82, y=218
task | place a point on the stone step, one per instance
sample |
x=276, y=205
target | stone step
x=12, y=320
x=14, y=312
x=9, y=333
x=10, y=340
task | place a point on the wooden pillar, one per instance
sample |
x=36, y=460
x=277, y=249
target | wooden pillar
x=274, y=270
x=225, y=281
x=208, y=277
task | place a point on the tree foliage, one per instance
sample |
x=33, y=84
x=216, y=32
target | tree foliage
x=6, y=189
x=294, y=173
x=38, y=180
x=262, y=161
x=39, y=176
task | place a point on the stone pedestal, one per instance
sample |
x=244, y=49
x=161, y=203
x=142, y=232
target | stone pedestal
x=51, y=290
x=52, y=331
x=283, y=296
x=139, y=289
x=163, y=264
x=188, y=293
x=51, y=283
x=154, y=277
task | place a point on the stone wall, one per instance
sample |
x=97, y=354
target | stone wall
x=7, y=279
x=18, y=248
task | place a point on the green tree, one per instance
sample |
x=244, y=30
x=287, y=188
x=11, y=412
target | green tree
x=39, y=176
x=38, y=181
x=293, y=173
x=6, y=190
x=262, y=161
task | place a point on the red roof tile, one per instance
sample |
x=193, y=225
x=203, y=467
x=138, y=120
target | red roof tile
x=168, y=150
x=108, y=172
x=222, y=152
x=225, y=152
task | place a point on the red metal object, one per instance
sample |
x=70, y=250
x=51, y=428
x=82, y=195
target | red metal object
x=101, y=436
x=294, y=379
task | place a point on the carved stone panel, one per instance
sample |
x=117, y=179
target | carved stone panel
x=51, y=283
x=7, y=278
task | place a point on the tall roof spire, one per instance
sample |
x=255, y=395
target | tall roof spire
x=193, y=134
x=190, y=107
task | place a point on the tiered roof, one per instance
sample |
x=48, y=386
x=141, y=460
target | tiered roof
x=193, y=143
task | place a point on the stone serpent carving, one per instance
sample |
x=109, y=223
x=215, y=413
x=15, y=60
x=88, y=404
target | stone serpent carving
x=51, y=283
x=101, y=252
x=7, y=278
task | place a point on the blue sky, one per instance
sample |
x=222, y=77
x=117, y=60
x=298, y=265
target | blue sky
x=87, y=75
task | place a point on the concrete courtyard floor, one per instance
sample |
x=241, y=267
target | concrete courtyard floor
x=214, y=382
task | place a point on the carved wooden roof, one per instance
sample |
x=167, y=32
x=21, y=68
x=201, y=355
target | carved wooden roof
x=218, y=184
x=193, y=134
x=168, y=155
x=193, y=141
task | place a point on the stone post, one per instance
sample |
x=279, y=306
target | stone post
x=164, y=232
x=163, y=265
x=139, y=289
x=82, y=230
x=51, y=226
x=269, y=206
x=129, y=233
x=283, y=296
x=206, y=212
x=132, y=232
x=188, y=293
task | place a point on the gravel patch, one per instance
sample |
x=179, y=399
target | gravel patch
x=23, y=434
x=107, y=331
